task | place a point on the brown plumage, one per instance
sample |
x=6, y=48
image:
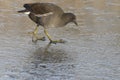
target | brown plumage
x=48, y=15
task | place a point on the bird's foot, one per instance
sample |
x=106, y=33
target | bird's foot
x=35, y=39
x=57, y=41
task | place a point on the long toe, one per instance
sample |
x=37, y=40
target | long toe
x=35, y=39
x=41, y=38
x=57, y=41
x=31, y=33
x=62, y=41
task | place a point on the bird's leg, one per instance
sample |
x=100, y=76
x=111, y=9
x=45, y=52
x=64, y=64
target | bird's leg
x=35, y=35
x=34, y=32
x=53, y=41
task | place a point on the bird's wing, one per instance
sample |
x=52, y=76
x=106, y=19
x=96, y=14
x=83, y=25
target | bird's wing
x=43, y=8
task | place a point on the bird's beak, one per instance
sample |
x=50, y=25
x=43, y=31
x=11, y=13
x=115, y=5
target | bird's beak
x=24, y=11
x=75, y=22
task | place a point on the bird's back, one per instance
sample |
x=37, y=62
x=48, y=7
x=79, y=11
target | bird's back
x=42, y=8
x=45, y=8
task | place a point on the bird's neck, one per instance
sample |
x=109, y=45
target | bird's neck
x=65, y=19
x=61, y=23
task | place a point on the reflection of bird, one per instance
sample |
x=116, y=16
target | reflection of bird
x=48, y=15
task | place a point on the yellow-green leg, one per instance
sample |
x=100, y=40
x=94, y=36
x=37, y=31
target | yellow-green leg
x=35, y=31
x=35, y=35
x=53, y=41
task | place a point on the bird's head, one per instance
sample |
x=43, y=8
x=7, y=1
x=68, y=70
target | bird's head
x=69, y=17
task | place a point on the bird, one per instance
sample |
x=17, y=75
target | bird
x=47, y=15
